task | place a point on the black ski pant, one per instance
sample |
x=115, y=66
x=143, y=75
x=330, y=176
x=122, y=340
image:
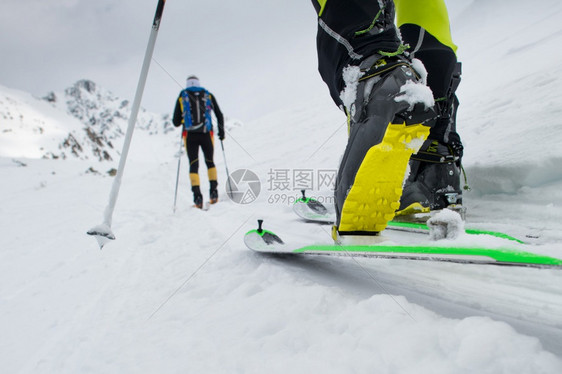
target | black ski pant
x=350, y=31
x=194, y=141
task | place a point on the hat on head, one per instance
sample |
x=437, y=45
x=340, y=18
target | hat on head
x=192, y=81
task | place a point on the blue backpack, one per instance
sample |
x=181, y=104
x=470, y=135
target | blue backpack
x=196, y=106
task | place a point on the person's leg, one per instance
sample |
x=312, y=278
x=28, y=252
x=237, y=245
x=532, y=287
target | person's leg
x=207, y=145
x=363, y=62
x=349, y=31
x=192, y=143
x=434, y=180
x=425, y=27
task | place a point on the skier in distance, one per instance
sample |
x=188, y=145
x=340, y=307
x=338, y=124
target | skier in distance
x=193, y=112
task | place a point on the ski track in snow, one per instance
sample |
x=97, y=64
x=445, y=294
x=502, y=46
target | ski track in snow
x=180, y=293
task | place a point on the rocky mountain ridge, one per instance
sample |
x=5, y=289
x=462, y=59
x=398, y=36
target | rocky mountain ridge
x=84, y=122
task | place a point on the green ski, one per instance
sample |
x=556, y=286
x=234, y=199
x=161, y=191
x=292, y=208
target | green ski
x=265, y=241
x=314, y=211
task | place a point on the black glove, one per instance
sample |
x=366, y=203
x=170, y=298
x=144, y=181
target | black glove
x=221, y=135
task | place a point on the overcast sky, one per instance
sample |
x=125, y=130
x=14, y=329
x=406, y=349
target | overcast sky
x=251, y=54
x=254, y=55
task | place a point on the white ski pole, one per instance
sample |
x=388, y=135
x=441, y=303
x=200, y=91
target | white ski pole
x=178, y=173
x=228, y=186
x=103, y=232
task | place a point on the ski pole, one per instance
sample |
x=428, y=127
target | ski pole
x=103, y=232
x=229, y=187
x=183, y=135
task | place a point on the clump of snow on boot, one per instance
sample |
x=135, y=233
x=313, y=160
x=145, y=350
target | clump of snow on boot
x=446, y=224
x=351, y=75
x=413, y=93
x=419, y=67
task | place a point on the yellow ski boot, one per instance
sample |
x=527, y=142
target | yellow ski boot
x=386, y=128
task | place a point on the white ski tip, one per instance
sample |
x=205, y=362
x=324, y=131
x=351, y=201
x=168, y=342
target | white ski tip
x=102, y=233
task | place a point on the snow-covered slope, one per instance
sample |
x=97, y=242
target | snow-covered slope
x=511, y=103
x=179, y=293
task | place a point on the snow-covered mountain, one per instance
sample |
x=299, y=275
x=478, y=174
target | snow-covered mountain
x=82, y=122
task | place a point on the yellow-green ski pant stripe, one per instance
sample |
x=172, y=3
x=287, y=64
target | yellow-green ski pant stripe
x=322, y=5
x=431, y=15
